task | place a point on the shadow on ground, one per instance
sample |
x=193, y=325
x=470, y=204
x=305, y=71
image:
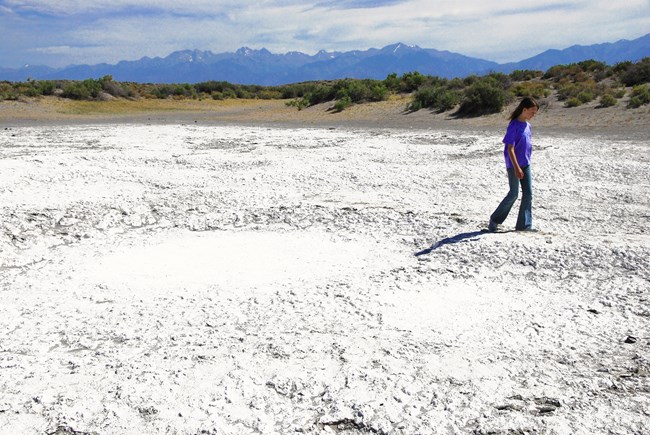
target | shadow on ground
x=462, y=237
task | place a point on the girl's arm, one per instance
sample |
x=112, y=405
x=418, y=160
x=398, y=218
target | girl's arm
x=513, y=158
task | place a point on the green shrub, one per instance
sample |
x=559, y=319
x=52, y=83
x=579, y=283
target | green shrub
x=411, y=81
x=573, y=102
x=586, y=89
x=243, y=93
x=84, y=90
x=38, y=88
x=229, y=93
x=302, y=89
x=447, y=100
x=161, y=91
x=341, y=93
x=455, y=83
x=6, y=96
x=438, y=98
x=321, y=94
x=638, y=73
x=566, y=90
x=635, y=103
x=622, y=67
x=357, y=91
x=484, y=96
x=578, y=72
x=378, y=92
x=608, y=100
x=558, y=72
x=269, y=94
x=392, y=82
x=111, y=87
x=525, y=75
x=640, y=96
x=210, y=87
x=592, y=66
x=414, y=106
x=75, y=92
x=423, y=97
x=176, y=90
x=585, y=96
x=342, y=104
x=500, y=79
x=31, y=92
x=299, y=103
x=532, y=89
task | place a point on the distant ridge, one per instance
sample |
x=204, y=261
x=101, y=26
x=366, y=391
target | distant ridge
x=261, y=67
x=610, y=53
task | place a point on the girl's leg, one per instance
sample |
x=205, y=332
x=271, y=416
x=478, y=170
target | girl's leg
x=525, y=217
x=501, y=213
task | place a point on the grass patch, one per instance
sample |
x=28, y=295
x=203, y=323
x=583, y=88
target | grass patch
x=125, y=107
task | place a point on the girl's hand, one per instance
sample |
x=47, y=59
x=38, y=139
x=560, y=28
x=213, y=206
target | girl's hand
x=519, y=173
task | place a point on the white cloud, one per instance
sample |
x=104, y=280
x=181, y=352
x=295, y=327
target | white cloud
x=125, y=29
x=75, y=7
x=56, y=49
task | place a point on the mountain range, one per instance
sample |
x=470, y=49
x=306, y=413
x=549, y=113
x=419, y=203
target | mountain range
x=261, y=67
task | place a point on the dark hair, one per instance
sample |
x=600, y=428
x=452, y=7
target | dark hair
x=525, y=103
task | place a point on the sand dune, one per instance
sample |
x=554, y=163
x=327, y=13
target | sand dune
x=554, y=117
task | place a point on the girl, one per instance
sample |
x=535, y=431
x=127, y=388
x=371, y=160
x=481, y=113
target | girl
x=517, y=151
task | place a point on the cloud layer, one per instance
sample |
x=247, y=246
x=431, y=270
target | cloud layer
x=63, y=32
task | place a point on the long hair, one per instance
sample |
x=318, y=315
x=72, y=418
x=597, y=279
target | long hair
x=525, y=103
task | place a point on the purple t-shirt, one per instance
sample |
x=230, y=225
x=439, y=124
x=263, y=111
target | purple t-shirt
x=519, y=135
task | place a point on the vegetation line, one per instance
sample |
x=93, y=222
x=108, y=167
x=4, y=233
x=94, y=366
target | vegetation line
x=575, y=84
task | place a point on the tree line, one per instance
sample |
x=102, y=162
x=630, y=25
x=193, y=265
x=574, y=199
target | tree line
x=575, y=84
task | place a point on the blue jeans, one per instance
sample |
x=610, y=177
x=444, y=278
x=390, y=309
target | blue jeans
x=525, y=217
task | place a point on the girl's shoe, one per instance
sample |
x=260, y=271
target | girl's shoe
x=528, y=230
x=492, y=227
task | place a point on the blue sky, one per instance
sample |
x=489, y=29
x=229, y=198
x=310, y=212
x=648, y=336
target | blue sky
x=63, y=32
